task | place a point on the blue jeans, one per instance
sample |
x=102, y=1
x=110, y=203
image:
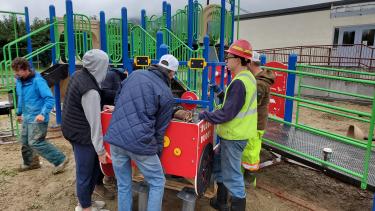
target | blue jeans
x=150, y=167
x=33, y=141
x=87, y=172
x=227, y=166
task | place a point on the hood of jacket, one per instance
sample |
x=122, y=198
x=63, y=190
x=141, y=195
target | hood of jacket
x=96, y=62
x=267, y=76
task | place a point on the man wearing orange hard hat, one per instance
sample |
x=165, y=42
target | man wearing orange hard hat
x=236, y=121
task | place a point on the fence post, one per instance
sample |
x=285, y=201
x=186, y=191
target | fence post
x=125, y=50
x=144, y=26
x=163, y=50
x=190, y=23
x=292, y=65
x=190, y=35
x=168, y=22
x=329, y=56
x=159, y=42
x=52, y=16
x=206, y=41
x=103, y=34
x=360, y=55
x=70, y=31
x=263, y=59
x=164, y=7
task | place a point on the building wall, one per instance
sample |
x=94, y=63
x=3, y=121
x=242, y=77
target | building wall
x=310, y=28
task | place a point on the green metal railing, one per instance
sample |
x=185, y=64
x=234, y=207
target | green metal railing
x=82, y=35
x=153, y=23
x=197, y=21
x=142, y=43
x=9, y=54
x=178, y=24
x=182, y=52
x=356, y=115
x=114, y=40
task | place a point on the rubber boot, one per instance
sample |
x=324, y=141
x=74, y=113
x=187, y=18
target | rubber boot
x=238, y=204
x=250, y=179
x=220, y=202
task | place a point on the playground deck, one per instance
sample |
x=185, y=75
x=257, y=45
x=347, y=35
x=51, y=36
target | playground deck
x=343, y=155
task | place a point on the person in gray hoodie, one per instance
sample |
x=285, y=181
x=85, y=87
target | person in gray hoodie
x=81, y=124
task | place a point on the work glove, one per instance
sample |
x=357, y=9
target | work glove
x=218, y=91
x=183, y=115
x=215, y=87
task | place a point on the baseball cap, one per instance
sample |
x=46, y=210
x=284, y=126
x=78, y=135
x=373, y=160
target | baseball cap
x=170, y=62
x=256, y=57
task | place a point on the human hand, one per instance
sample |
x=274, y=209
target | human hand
x=19, y=119
x=39, y=118
x=108, y=108
x=186, y=116
x=103, y=158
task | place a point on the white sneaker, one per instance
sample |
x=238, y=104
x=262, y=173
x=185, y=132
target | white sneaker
x=79, y=208
x=98, y=204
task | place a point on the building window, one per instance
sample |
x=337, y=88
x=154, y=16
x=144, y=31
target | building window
x=336, y=36
x=368, y=37
x=348, y=38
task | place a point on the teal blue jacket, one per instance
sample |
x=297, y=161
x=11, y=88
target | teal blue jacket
x=34, y=98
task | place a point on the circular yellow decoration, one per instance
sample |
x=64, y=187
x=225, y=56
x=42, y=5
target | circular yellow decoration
x=177, y=151
x=167, y=141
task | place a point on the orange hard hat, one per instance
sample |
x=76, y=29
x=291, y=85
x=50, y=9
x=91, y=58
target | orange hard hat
x=241, y=48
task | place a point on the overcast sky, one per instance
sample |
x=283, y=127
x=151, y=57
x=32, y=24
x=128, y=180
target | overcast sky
x=112, y=8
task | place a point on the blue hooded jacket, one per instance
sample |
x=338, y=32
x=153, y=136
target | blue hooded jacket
x=34, y=98
x=143, y=110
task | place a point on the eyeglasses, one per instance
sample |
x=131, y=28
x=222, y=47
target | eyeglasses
x=229, y=57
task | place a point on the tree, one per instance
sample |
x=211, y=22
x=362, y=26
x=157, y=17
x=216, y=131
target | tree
x=9, y=31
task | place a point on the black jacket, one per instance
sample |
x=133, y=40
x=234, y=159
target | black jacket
x=75, y=126
x=110, y=86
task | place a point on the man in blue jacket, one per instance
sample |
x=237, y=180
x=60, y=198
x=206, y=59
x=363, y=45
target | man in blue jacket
x=35, y=101
x=143, y=110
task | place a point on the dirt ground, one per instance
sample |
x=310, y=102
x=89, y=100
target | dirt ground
x=283, y=186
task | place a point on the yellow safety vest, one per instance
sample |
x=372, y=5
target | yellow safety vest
x=244, y=125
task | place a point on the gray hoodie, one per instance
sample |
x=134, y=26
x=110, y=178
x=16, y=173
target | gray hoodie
x=96, y=62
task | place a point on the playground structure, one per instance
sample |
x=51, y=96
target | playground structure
x=74, y=34
x=351, y=159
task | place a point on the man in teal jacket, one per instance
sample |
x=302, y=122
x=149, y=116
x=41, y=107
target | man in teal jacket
x=35, y=101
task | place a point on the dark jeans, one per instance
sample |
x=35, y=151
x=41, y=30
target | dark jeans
x=87, y=172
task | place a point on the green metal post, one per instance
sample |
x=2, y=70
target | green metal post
x=369, y=145
x=14, y=19
x=300, y=77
